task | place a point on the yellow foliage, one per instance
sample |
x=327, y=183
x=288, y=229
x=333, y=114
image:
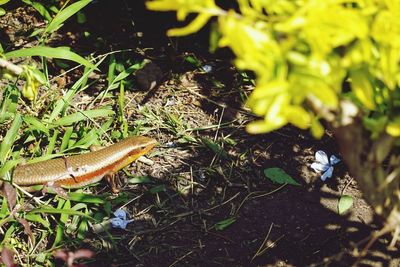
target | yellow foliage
x=362, y=88
x=393, y=127
x=304, y=51
x=33, y=79
x=205, y=8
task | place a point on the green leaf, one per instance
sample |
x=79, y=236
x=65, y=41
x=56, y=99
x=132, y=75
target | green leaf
x=125, y=73
x=4, y=208
x=222, y=225
x=2, y=11
x=36, y=32
x=80, y=17
x=63, y=103
x=2, y=2
x=83, y=115
x=36, y=125
x=88, y=139
x=37, y=218
x=9, y=165
x=83, y=229
x=157, y=189
x=66, y=138
x=345, y=203
x=279, y=176
x=49, y=52
x=9, y=104
x=10, y=137
x=193, y=60
x=86, y=198
x=111, y=70
x=51, y=210
x=62, y=204
x=40, y=8
x=140, y=180
x=52, y=142
x=66, y=13
x=217, y=149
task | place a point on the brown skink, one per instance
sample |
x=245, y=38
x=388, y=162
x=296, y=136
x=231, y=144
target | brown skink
x=80, y=170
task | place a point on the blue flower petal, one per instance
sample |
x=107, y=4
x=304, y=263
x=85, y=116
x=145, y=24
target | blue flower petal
x=327, y=174
x=119, y=223
x=334, y=160
x=120, y=213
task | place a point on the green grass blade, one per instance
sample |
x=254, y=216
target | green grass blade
x=8, y=166
x=64, y=14
x=106, y=126
x=50, y=52
x=51, y=210
x=88, y=139
x=66, y=138
x=4, y=208
x=39, y=8
x=36, y=125
x=86, y=198
x=121, y=108
x=10, y=102
x=52, y=143
x=279, y=176
x=37, y=218
x=83, y=115
x=111, y=69
x=62, y=204
x=10, y=137
x=217, y=149
x=62, y=103
x=126, y=73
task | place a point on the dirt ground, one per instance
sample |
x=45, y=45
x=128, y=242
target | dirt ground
x=194, y=184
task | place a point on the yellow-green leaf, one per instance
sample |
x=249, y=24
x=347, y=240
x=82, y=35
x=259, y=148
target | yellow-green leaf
x=325, y=94
x=298, y=116
x=393, y=127
x=192, y=27
x=317, y=130
x=345, y=203
x=263, y=126
x=362, y=88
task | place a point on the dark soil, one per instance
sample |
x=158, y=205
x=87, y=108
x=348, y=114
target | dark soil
x=274, y=225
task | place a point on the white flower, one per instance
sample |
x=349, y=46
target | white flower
x=323, y=164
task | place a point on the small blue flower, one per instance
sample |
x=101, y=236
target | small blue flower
x=323, y=164
x=120, y=220
x=207, y=68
